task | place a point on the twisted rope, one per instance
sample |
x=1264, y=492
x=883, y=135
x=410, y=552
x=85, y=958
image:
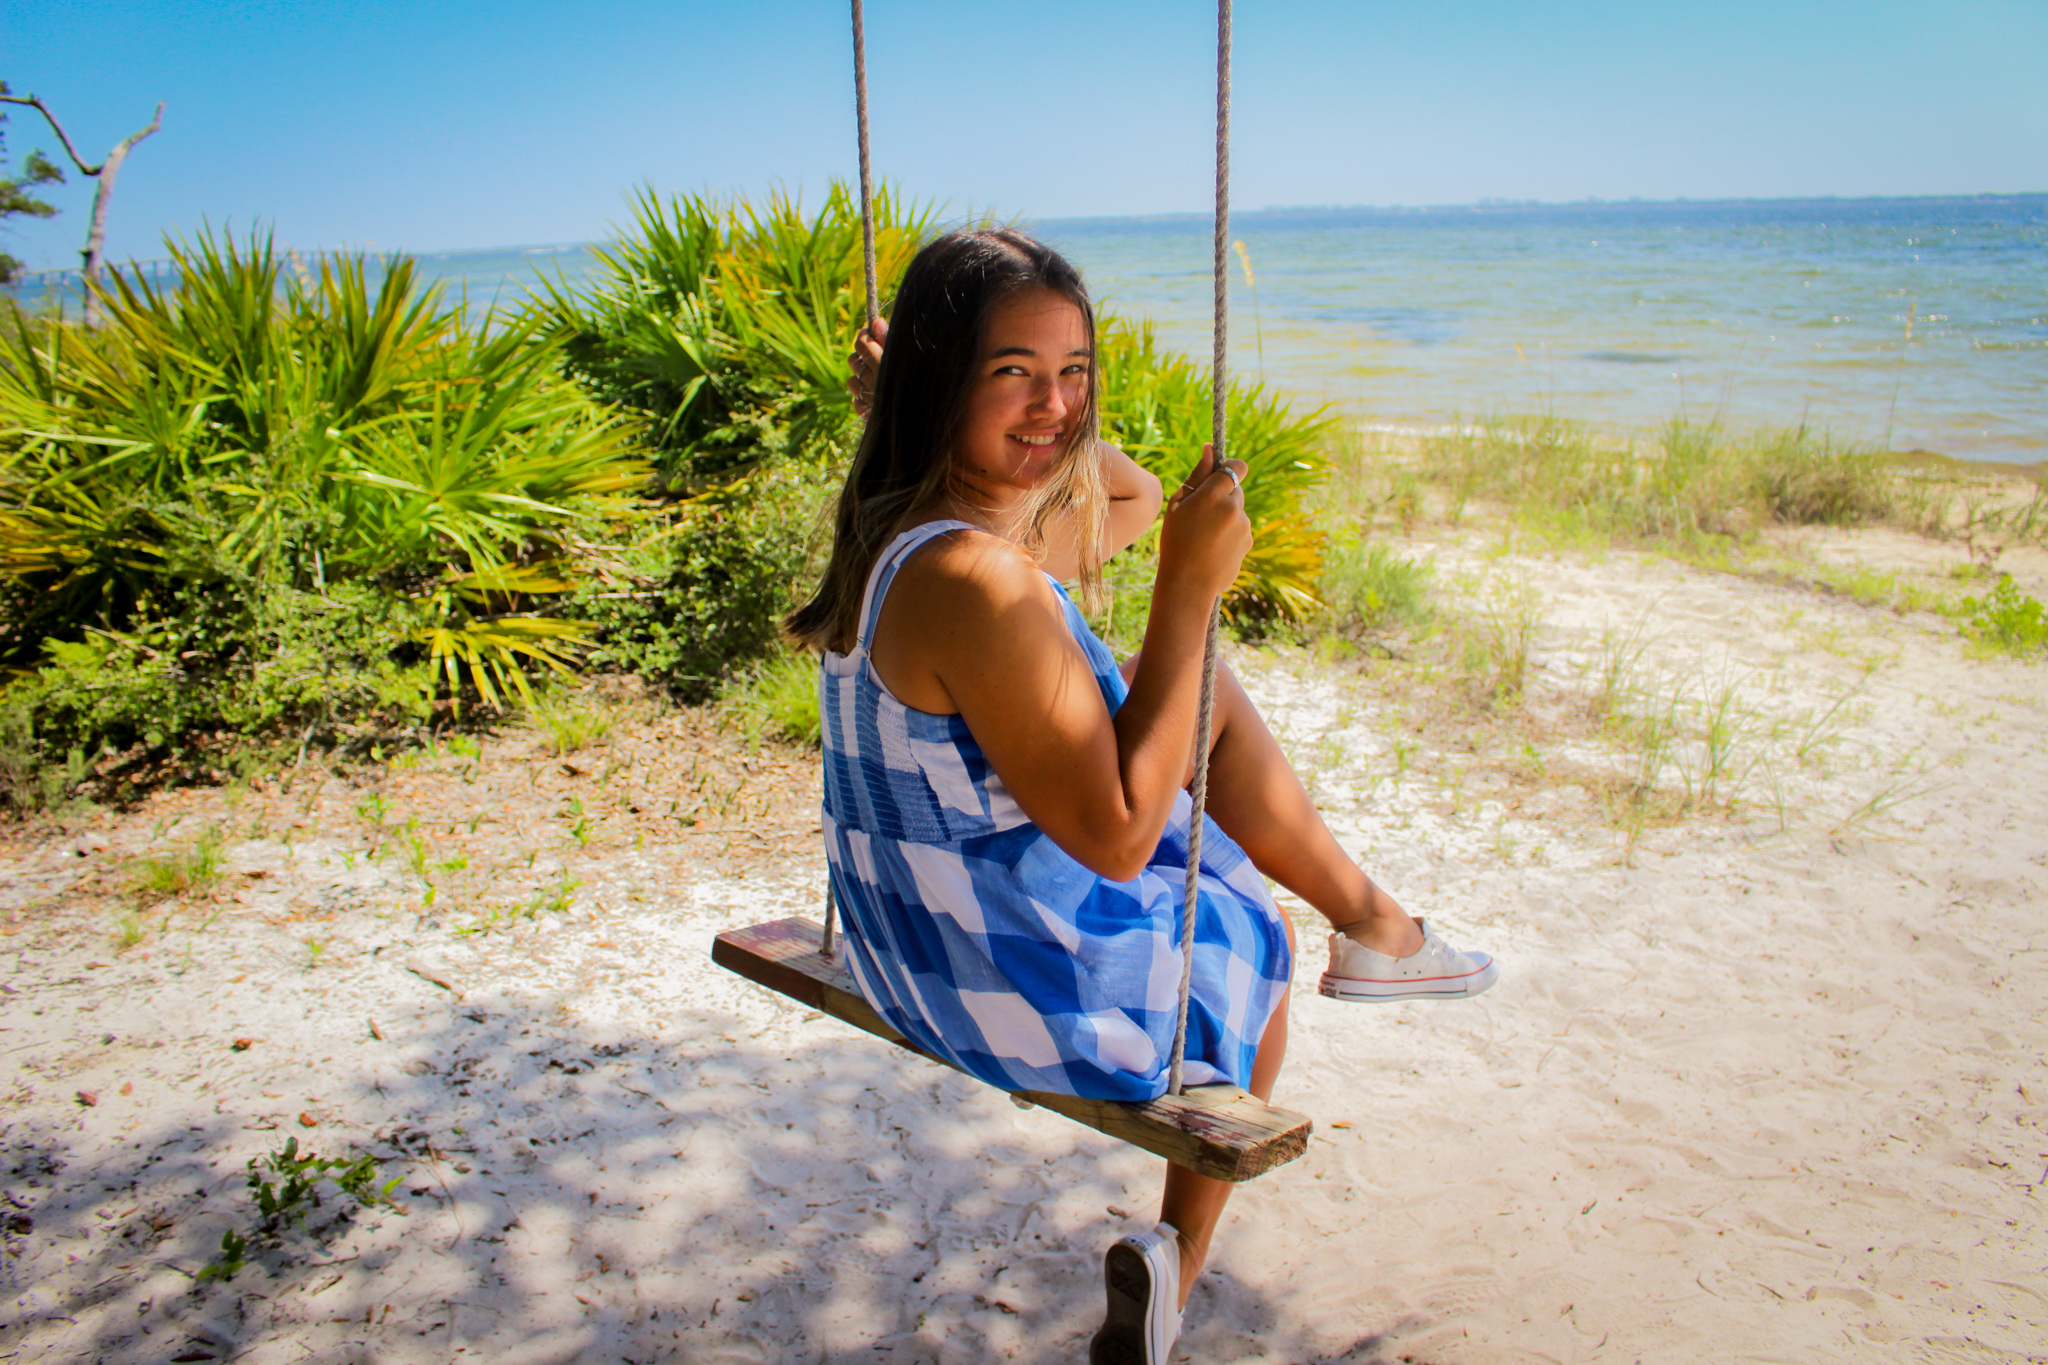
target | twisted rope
x=867, y=261
x=867, y=190
x=1220, y=333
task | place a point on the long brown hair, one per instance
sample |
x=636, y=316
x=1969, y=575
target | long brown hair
x=936, y=330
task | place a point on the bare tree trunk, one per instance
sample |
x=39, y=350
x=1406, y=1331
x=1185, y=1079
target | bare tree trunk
x=104, y=173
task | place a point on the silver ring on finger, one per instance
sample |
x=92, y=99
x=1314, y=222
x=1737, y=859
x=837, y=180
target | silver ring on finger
x=1234, y=477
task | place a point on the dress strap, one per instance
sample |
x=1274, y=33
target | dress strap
x=886, y=564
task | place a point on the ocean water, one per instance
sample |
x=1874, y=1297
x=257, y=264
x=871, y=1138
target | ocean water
x=1918, y=324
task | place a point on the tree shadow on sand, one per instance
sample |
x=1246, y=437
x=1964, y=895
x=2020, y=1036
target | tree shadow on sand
x=722, y=1192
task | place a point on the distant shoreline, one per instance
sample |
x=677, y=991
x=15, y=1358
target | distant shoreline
x=2026, y=199
x=2036, y=199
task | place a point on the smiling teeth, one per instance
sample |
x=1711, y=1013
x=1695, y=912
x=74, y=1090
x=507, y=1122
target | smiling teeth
x=1036, y=440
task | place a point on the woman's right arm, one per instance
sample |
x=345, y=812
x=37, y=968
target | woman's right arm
x=971, y=626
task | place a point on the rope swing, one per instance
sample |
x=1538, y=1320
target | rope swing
x=1220, y=1131
x=867, y=182
x=1219, y=328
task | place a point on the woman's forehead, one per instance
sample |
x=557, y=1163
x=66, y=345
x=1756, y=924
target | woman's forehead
x=1038, y=319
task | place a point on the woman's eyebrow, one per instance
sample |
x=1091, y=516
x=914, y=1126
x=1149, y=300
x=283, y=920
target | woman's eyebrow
x=1001, y=351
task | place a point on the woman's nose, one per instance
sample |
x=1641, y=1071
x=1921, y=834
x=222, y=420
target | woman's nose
x=1050, y=400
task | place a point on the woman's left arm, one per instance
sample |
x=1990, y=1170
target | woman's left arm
x=1134, y=501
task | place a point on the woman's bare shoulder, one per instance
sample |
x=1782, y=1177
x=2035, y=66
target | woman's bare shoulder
x=971, y=567
x=959, y=607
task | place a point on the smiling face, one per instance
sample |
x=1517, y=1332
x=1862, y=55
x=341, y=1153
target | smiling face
x=1030, y=387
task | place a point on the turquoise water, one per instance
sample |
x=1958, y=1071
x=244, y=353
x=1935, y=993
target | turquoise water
x=1922, y=323
x=1917, y=323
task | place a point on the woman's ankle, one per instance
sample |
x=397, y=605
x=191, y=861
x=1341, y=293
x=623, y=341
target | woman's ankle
x=1395, y=935
x=1191, y=1259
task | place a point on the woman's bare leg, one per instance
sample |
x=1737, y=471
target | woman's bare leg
x=1193, y=1203
x=1259, y=802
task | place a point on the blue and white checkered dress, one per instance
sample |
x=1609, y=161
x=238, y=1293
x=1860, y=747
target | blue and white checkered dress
x=984, y=943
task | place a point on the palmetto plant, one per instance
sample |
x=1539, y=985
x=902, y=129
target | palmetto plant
x=1156, y=406
x=252, y=431
x=724, y=322
x=719, y=322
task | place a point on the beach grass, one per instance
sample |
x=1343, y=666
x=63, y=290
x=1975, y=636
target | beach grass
x=181, y=871
x=776, y=698
x=569, y=720
x=1687, y=483
x=1428, y=597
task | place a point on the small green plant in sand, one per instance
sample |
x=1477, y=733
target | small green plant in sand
x=570, y=722
x=1724, y=751
x=1878, y=588
x=579, y=822
x=777, y=699
x=1493, y=647
x=1615, y=670
x=2006, y=620
x=419, y=859
x=31, y=778
x=552, y=900
x=1904, y=783
x=556, y=898
x=1367, y=587
x=184, y=872
x=286, y=1187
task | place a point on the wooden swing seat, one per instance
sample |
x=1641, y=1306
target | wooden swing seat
x=1218, y=1130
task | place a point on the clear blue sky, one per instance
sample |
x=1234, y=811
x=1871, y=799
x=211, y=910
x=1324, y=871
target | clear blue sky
x=449, y=125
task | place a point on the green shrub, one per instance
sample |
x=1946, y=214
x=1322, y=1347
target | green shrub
x=700, y=589
x=261, y=502
x=1156, y=406
x=207, y=683
x=268, y=427
x=2006, y=619
x=724, y=327
x=266, y=508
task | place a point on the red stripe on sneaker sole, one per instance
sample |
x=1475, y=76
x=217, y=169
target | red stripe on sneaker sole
x=1413, y=988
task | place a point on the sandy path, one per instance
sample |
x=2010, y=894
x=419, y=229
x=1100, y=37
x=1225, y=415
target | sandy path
x=1770, y=1089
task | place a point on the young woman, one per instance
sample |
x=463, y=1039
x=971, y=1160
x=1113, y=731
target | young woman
x=1005, y=813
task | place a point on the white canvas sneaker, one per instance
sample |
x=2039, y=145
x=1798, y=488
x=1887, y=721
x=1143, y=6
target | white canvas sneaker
x=1142, y=1274
x=1436, y=971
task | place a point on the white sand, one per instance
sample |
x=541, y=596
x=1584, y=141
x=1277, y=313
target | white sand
x=1773, y=1092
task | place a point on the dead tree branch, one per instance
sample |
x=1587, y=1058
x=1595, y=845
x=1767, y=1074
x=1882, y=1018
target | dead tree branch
x=104, y=173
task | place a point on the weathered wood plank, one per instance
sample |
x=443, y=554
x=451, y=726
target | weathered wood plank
x=1218, y=1130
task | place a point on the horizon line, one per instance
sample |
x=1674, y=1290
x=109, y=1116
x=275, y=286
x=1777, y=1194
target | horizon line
x=1485, y=205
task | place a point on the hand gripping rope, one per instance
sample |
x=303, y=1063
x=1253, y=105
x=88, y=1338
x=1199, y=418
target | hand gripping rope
x=1204, y=722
